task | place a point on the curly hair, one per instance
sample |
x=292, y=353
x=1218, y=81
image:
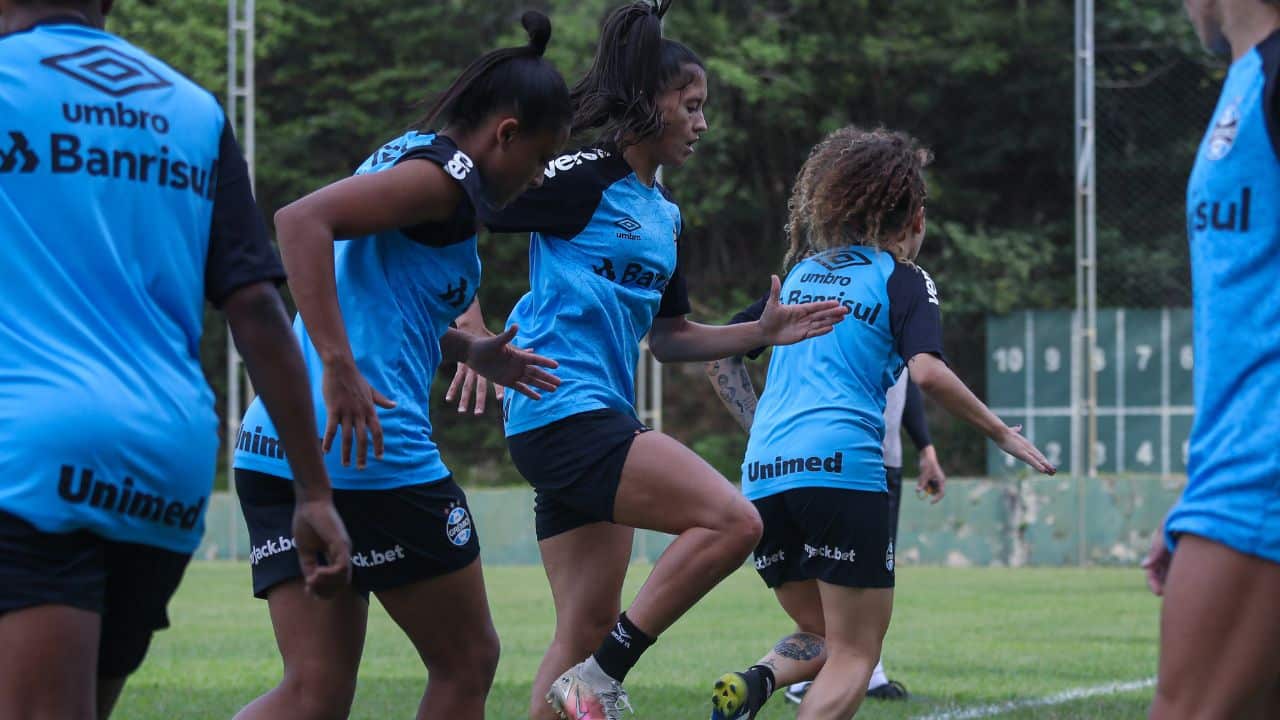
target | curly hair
x=858, y=187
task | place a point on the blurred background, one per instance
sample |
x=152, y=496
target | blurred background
x=989, y=85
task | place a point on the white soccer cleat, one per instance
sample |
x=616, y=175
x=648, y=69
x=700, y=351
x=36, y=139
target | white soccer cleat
x=585, y=692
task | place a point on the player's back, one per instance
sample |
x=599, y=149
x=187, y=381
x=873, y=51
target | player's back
x=820, y=421
x=108, y=164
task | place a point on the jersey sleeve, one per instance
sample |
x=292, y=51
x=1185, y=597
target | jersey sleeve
x=240, y=252
x=675, y=298
x=915, y=317
x=751, y=313
x=1269, y=49
x=459, y=166
x=562, y=206
x=913, y=417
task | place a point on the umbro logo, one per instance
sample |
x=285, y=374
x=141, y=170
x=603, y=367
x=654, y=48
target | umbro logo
x=108, y=70
x=840, y=259
x=628, y=226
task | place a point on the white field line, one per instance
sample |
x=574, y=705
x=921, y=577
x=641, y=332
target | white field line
x=983, y=711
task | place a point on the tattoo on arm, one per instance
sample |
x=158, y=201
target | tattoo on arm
x=800, y=646
x=733, y=385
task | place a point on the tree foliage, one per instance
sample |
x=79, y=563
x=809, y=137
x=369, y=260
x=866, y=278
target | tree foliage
x=986, y=83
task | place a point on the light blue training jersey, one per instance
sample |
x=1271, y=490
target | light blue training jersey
x=1233, y=221
x=820, y=420
x=124, y=204
x=399, y=290
x=602, y=266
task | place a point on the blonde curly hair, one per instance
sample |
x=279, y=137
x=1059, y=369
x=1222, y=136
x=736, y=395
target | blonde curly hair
x=858, y=187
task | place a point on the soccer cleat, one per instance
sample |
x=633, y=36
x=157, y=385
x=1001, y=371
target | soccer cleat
x=731, y=699
x=795, y=691
x=892, y=690
x=586, y=693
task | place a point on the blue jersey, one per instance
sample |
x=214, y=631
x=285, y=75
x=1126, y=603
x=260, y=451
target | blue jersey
x=820, y=420
x=1233, y=220
x=399, y=290
x=124, y=203
x=602, y=265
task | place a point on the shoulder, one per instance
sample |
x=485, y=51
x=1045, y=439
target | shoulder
x=146, y=73
x=909, y=281
x=586, y=168
x=1269, y=52
x=439, y=150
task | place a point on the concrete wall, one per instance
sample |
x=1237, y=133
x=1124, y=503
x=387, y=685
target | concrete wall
x=1013, y=522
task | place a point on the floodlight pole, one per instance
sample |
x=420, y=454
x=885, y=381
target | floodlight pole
x=1084, y=460
x=240, y=113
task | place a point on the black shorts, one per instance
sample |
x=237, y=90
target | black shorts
x=398, y=536
x=837, y=536
x=893, y=479
x=575, y=466
x=128, y=584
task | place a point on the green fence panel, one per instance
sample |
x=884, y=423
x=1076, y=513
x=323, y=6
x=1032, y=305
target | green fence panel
x=1014, y=521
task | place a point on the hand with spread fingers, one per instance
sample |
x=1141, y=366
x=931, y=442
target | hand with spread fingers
x=789, y=324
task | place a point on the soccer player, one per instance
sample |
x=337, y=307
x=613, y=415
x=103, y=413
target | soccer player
x=814, y=466
x=380, y=264
x=1219, y=628
x=603, y=275
x=904, y=407
x=124, y=202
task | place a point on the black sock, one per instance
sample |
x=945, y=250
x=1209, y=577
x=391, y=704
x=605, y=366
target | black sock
x=760, y=684
x=622, y=648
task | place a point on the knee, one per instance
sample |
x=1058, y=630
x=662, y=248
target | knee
x=744, y=528
x=484, y=656
x=468, y=670
x=319, y=694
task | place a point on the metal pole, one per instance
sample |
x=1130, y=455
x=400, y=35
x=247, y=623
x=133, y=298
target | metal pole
x=1084, y=460
x=240, y=32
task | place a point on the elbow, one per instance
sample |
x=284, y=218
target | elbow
x=287, y=220
x=660, y=349
x=927, y=373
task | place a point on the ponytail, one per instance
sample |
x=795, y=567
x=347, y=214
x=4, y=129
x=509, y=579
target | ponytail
x=633, y=65
x=518, y=79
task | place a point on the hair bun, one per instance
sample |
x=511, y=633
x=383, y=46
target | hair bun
x=539, y=28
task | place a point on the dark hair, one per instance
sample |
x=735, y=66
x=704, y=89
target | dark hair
x=518, y=79
x=618, y=97
x=858, y=187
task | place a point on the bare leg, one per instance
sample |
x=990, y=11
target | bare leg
x=586, y=567
x=1219, y=634
x=448, y=620
x=320, y=642
x=800, y=655
x=856, y=621
x=667, y=487
x=48, y=663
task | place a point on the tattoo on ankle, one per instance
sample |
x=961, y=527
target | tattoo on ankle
x=800, y=646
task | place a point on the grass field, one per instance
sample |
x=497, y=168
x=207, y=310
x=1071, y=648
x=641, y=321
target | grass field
x=962, y=640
